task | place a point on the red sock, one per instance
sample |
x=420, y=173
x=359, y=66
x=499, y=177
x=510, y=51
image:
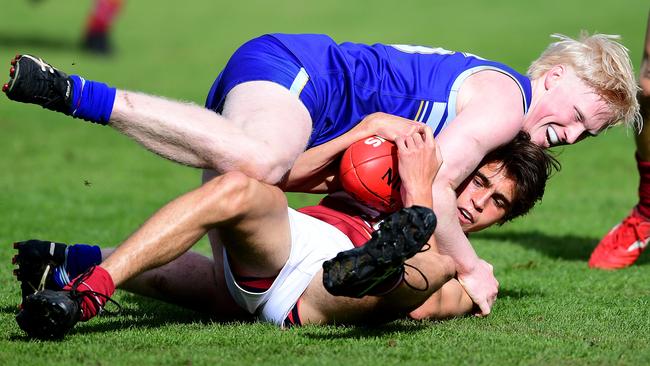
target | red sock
x=95, y=280
x=102, y=16
x=644, y=187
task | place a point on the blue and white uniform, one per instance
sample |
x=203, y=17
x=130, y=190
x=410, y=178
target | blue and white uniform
x=340, y=84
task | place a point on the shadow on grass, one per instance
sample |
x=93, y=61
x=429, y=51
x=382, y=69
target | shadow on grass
x=139, y=313
x=567, y=247
x=518, y=293
x=9, y=309
x=21, y=43
x=146, y=313
x=358, y=331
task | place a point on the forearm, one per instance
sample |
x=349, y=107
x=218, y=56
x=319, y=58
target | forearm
x=449, y=301
x=421, y=197
x=314, y=170
x=310, y=169
x=449, y=236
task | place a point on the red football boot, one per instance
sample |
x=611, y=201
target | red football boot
x=623, y=245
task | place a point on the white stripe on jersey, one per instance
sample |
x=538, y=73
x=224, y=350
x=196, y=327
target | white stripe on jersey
x=437, y=111
x=424, y=111
x=299, y=82
x=453, y=94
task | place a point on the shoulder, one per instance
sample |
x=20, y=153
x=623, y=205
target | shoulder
x=502, y=85
x=494, y=92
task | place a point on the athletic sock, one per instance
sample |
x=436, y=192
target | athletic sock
x=644, y=187
x=91, y=100
x=78, y=259
x=94, y=287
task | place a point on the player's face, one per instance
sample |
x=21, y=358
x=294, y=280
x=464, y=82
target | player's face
x=567, y=112
x=484, y=197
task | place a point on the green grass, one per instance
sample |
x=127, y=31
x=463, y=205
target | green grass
x=551, y=309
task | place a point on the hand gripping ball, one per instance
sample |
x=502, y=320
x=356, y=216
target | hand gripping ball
x=368, y=173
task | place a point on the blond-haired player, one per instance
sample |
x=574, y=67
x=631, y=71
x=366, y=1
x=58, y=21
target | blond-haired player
x=281, y=94
x=270, y=267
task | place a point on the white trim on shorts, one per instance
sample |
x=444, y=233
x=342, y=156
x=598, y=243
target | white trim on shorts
x=312, y=242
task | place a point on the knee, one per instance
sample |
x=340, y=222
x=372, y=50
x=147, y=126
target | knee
x=269, y=166
x=230, y=194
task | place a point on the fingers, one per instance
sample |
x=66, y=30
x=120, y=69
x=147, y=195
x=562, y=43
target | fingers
x=485, y=309
x=401, y=144
x=418, y=135
x=427, y=132
x=410, y=141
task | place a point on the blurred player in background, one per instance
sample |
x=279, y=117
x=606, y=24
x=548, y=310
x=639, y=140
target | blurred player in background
x=506, y=185
x=623, y=245
x=281, y=94
x=99, y=25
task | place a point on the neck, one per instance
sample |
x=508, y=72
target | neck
x=537, y=90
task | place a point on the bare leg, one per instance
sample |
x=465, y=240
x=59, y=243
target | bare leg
x=192, y=280
x=252, y=215
x=262, y=131
x=643, y=139
x=620, y=248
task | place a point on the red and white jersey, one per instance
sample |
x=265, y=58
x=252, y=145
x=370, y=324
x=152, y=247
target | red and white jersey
x=356, y=221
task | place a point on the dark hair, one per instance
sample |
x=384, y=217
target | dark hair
x=530, y=166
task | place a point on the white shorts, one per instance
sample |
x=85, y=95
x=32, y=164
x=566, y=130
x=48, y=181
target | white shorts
x=312, y=243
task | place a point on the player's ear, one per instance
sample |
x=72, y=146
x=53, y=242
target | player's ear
x=553, y=76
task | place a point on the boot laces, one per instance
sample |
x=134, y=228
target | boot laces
x=94, y=296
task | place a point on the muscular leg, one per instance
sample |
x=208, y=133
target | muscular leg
x=263, y=128
x=192, y=280
x=261, y=132
x=251, y=216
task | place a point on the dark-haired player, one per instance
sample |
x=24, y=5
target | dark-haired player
x=280, y=94
x=252, y=220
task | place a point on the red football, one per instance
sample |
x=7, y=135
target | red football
x=369, y=173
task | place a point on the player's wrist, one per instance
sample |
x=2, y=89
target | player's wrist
x=467, y=266
x=418, y=198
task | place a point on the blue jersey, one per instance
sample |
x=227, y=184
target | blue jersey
x=340, y=84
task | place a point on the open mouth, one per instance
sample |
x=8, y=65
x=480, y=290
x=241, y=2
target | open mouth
x=466, y=215
x=551, y=136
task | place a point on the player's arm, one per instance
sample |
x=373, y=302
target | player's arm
x=315, y=170
x=449, y=301
x=467, y=139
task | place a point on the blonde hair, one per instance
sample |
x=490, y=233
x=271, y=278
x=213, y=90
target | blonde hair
x=603, y=64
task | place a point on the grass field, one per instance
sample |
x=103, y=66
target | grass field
x=69, y=181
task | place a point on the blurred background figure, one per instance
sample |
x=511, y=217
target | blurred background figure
x=96, y=38
x=99, y=24
x=623, y=245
